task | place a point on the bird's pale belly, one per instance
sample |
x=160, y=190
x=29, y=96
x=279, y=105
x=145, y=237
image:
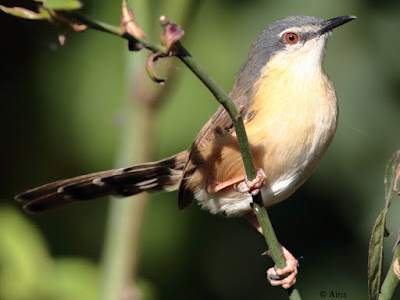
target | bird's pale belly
x=287, y=165
x=290, y=175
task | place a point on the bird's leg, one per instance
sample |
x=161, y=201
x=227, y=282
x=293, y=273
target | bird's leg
x=212, y=189
x=285, y=277
x=254, y=186
x=241, y=184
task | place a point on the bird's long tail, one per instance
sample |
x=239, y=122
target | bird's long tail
x=163, y=175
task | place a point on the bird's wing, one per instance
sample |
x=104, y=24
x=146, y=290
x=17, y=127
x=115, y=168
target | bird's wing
x=220, y=125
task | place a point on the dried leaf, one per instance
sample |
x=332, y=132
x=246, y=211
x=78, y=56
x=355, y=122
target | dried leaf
x=396, y=268
x=23, y=13
x=150, y=67
x=129, y=22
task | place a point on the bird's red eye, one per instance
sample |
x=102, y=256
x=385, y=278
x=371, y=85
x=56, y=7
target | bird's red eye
x=291, y=37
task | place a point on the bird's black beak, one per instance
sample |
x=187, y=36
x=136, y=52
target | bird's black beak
x=328, y=25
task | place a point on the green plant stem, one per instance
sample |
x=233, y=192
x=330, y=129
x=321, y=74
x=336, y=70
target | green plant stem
x=124, y=226
x=235, y=114
x=391, y=282
x=114, y=30
x=122, y=244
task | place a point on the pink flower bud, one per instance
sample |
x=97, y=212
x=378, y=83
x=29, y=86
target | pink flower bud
x=172, y=34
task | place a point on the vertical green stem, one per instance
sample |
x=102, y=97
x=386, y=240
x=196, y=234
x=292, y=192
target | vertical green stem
x=124, y=225
x=391, y=282
x=125, y=215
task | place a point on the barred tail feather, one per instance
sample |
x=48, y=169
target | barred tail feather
x=163, y=175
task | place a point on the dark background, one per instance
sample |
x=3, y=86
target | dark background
x=60, y=117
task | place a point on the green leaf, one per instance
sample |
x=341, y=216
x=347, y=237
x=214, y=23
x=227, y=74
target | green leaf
x=375, y=255
x=45, y=13
x=62, y=4
x=23, y=13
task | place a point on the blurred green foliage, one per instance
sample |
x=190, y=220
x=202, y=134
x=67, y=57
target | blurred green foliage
x=61, y=116
x=28, y=271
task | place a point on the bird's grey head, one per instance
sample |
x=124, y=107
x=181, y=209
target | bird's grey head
x=292, y=32
x=288, y=34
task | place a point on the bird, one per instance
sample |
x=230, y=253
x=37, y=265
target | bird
x=290, y=112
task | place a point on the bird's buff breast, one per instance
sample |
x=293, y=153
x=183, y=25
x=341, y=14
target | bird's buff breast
x=291, y=130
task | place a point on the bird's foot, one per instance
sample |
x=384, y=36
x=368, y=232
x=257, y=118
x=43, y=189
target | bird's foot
x=285, y=277
x=253, y=187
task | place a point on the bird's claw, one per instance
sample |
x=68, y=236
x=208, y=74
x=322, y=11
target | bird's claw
x=285, y=277
x=253, y=187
